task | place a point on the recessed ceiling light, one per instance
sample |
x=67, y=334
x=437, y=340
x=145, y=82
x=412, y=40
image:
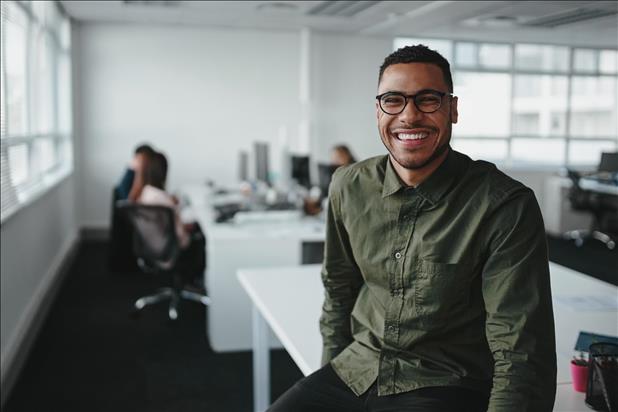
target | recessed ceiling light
x=277, y=6
x=497, y=21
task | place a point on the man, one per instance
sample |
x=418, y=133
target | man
x=435, y=270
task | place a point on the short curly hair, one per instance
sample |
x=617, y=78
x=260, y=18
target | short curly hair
x=419, y=54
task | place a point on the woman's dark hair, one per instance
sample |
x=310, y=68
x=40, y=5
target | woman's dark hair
x=346, y=150
x=155, y=170
x=144, y=149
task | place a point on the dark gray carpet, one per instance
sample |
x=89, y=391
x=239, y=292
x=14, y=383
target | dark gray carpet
x=92, y=356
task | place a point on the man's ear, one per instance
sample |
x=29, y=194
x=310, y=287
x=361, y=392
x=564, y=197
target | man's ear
x=454, y=112
x=378, y=110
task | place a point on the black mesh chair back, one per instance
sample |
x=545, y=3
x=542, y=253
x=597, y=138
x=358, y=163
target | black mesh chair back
x=156, y=246
x=580, y=199
x=609, y=162
x=154, y=234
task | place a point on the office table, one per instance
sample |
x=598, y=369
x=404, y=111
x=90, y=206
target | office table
x=558, y=215
x=256, y=240
x=595, y=185
x=288, y=300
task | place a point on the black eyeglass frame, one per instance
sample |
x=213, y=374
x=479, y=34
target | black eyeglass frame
x=407, y=97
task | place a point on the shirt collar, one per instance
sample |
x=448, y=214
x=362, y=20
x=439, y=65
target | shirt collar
x=392, y=183
x=435, y=186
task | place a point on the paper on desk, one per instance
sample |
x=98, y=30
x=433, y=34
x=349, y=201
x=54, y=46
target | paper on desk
x=589, y=303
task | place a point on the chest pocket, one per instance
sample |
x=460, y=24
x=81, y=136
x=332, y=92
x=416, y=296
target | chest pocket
x=441, y=290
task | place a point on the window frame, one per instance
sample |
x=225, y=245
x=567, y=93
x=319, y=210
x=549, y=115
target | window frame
x=39, y=180
x=570, y=73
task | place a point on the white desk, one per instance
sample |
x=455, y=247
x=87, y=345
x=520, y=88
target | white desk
x=595, y=185
x=273, y=290
x=230, y=246
x=556, y=208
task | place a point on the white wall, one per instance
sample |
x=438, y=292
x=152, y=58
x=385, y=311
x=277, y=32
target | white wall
x=34, y=242
x=199, y=95
x=344, y=86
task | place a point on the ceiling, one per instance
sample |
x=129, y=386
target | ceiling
x=592, y=23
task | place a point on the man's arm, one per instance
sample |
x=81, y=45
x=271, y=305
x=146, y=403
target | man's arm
x=519, y=323
x=342, y=281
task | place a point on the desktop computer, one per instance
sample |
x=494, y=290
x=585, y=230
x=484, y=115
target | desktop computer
x=300, y=170
x=325, y=174
x=243, y=166
x=261, y=162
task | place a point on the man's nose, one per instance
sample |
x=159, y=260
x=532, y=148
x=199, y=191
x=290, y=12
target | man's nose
x=410, y=113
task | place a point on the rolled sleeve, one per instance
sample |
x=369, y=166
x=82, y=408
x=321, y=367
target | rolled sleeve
x=519, y=318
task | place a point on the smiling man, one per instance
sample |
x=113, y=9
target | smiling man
x=435, y=270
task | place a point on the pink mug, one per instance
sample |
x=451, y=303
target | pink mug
x=579, y=374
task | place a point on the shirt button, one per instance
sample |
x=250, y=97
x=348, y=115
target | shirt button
x=391, y=328
x=398, y=255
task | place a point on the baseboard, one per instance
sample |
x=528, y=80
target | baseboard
x=29, y=325
x=94, y=233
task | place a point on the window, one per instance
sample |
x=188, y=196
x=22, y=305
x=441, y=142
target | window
x=36, y=138
x=552, y=105
x=593, y=103
x=540, y=58
x=483, y=114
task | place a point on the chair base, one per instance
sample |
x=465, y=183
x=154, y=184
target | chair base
x=174, y=296
x=579, y=236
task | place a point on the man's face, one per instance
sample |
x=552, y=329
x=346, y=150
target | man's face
x=413, y=138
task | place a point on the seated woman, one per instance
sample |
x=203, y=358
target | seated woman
x=192, y=260
x=130, y=186
x=342, y=156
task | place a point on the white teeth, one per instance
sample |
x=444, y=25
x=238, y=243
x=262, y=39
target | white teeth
x=415, y=136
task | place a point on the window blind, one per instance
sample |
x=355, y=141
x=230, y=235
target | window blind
x=36, y=122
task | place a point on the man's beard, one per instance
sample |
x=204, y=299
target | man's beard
x=436, y=154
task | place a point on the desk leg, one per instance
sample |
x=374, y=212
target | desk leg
x=261, y=363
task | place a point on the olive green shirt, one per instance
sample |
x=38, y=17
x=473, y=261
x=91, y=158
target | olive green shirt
x=445, y=284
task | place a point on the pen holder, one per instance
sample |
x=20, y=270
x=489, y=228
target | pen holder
x=579, y=374
x=601, y=393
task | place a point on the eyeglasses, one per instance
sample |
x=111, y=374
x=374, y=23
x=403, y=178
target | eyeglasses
x=426, y=101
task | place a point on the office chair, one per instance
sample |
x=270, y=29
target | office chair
x=609, y=162
x=594, y=203
x=120, y=251
x=157, y=249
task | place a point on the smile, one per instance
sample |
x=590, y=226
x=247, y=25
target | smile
x=411, y=136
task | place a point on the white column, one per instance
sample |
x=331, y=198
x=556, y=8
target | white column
x=304, y=92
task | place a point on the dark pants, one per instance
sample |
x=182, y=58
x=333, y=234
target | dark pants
x=192, y=260
x=324, y=391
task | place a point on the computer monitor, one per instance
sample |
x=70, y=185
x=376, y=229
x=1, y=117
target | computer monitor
x=261, y=162
x=325, y=174
x=243, y=166
x=609, y=162
x=300, y=170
